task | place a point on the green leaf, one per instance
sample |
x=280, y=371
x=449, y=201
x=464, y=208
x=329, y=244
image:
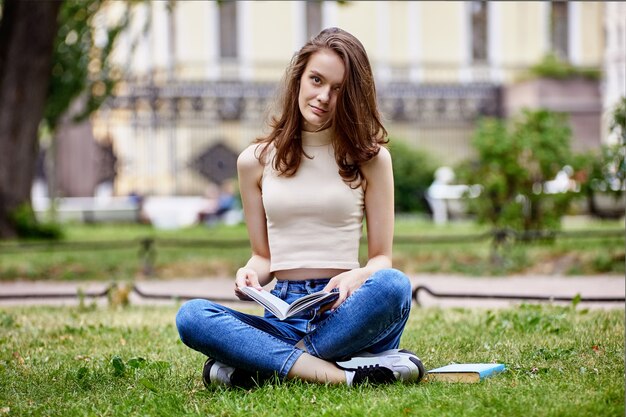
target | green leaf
x=118, y=366
x=148, y=384
x=83, y=67
x=82, y=373
x=6, y=319
x=137, y=363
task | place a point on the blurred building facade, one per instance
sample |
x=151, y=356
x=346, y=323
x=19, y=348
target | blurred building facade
x=614, y=61
x=201, y=76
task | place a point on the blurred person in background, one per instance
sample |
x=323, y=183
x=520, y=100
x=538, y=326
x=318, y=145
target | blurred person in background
x=221, y=201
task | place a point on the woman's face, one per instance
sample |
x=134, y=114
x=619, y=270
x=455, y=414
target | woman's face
x=319, y=87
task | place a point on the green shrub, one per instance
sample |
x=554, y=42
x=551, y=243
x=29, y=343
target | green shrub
x=614, y=156
x=413, y=172
x=512, y=165
x=28, y=227
x=604, y=170
x=553, y=67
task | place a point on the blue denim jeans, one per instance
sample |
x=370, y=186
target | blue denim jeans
x=370, y=320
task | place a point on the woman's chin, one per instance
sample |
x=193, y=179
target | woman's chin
x=313, y=125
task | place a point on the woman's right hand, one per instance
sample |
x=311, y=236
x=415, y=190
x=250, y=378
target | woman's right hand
x=246, y=277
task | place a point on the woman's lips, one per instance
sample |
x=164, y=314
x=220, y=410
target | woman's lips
x=317, y=110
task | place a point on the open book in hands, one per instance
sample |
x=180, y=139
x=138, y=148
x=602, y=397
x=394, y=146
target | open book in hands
x=281, y=309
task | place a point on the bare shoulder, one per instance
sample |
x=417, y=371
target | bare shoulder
x=248, y=159
x=379, y=164
x=384, y=156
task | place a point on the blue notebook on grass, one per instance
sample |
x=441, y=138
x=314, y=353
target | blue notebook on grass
x=464, y=372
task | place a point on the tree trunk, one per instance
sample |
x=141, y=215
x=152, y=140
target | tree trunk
x=27, y=33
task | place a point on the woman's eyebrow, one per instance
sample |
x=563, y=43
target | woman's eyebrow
x=318, y=74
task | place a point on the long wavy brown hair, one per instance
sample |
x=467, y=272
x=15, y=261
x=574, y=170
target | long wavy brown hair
x=356, y=122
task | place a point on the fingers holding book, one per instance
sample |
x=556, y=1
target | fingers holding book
x=345, y=283
x=246, y=277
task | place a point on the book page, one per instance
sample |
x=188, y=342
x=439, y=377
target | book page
x=312, y=300
x=464, y=372
x=274, y=304
x=466, y=377
x=281, y=309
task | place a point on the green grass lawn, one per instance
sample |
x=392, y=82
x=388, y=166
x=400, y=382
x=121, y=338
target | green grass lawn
x=101, y=361
x=219, y=251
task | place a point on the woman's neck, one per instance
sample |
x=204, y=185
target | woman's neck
x=319, y=138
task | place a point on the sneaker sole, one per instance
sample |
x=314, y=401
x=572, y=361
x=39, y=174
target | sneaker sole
x=206, y=372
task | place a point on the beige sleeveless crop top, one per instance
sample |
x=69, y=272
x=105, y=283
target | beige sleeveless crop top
x=314, y=219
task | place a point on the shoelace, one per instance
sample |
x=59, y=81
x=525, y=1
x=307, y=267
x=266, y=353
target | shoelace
x=374, y=374
x=364, y=367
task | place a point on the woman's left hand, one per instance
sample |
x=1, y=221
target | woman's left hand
x=347, y=283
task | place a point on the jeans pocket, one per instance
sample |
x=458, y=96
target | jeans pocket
x=275, y=292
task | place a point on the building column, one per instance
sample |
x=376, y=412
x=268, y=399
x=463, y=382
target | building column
x=545, y=16
x=465, y=67
x=329, y=14
x=574, y=31
x=213, y=45
x=416, y=72
x=298, y=16
x=244, y=39
x=383, y=42
x=494, y=39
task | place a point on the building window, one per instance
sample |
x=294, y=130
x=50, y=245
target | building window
x=313, y=18
x=559, y=28
x=479, y=16
x=228, y=29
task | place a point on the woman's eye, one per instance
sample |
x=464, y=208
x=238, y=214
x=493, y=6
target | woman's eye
x=316, y=80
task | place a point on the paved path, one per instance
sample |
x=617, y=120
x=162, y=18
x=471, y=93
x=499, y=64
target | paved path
x=222, y=289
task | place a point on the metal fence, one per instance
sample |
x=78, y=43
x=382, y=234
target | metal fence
x=415, y=295
x=148, y=251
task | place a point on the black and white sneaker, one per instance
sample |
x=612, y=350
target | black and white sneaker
x=385, y=367
x=217, y=373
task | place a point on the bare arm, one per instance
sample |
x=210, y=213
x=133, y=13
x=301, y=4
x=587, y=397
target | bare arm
x=256, y=272
x=379, y=212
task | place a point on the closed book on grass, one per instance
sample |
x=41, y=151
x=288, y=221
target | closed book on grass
x=464, y=372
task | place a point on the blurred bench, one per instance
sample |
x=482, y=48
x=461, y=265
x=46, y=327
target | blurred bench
x=87, y=209
x=447, y=200
x=163, y=212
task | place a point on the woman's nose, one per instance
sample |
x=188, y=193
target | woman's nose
x=324, y=95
